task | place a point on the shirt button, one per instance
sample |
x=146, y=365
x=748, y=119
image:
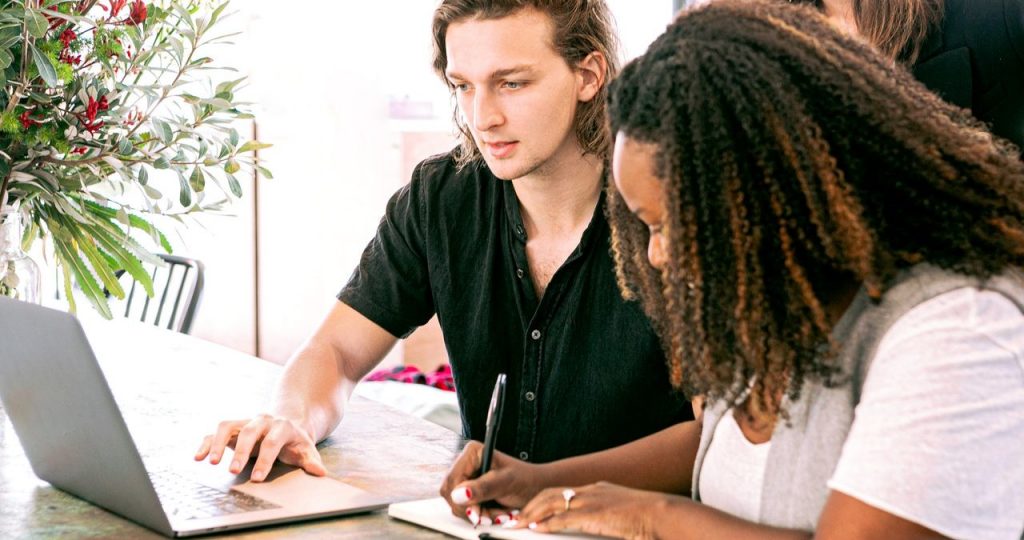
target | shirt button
x=530, y=396
x=519, y=230
x=524, y=456
x=519, y=273
x=535, y=335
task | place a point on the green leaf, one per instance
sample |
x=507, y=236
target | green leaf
x=46, y=69
x=125, y=147
x=70, y=259
x=99, y=264
x=227, y=87
x=68, y=294
x=197, y=180
x=152, y=193
x=36, y=24
x=123, y=258
x=184, y=194
x=143, y=176
x=232, y=166
x=9, y=36
x=233, y=137
x=163, y=131
x=236, y=188
x=216, y=13
x=216, y=103
x=161, y=163
x=136, y=222
x=264, y=172
x=253, y=145
x=5, y=59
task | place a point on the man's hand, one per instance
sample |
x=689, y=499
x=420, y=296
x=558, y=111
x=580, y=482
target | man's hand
x=270, y=438
x=510, y=484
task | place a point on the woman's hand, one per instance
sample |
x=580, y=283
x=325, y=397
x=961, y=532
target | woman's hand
x=510, y=484
x=603, y=509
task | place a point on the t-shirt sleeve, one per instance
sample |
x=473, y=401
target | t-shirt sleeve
x=391, y=285
x=937, y=435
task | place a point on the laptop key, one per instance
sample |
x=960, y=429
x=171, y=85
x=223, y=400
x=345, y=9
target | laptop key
x=193, y=500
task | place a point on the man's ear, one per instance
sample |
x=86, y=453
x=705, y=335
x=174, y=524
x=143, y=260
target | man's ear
x=590, y=76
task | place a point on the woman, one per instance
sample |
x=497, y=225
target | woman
x=814, y=235
x=970, y=52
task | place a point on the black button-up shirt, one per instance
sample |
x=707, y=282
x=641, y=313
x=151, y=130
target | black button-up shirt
x=585, y=371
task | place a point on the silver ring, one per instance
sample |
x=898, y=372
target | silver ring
x=568, y=494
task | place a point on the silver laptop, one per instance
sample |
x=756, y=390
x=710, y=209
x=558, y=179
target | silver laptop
x=76, y=439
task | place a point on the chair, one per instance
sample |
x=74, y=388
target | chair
x=183, y=284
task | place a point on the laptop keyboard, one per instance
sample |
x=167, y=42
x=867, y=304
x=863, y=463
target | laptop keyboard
x=189, y=499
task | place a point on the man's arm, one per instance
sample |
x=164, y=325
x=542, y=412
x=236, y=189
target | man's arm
x=310, y=398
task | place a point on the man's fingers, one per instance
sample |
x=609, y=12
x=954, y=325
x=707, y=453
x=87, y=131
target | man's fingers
x=275, y=437
x=226, y=432
x=204, y=448
x=245, y=443
x=312, y=463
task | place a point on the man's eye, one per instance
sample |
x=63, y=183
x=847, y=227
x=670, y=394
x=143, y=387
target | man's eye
x=460, y=87
x=513, y=85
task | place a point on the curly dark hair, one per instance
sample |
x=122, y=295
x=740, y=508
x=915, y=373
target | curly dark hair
x=794, y=158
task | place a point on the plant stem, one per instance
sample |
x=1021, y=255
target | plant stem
x=16, y=96
x=3, y=188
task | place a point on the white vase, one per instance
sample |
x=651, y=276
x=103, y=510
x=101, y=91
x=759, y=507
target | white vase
x=19, y=274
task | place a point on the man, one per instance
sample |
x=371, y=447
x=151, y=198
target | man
x=505, y=239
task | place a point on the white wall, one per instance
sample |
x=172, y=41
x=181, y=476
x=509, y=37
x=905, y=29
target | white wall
x=322, y=78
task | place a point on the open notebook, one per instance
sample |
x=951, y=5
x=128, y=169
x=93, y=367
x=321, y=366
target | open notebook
x=435, y=514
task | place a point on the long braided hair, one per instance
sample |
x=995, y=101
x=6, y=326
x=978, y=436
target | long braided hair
x=793, y=158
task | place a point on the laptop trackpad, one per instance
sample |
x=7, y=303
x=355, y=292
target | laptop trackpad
x=285, y=486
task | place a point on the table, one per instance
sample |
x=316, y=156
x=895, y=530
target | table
x=173, y=389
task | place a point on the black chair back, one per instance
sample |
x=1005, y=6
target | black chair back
x=178, y=287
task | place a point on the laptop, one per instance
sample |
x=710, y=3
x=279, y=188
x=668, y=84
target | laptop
x=74, y=435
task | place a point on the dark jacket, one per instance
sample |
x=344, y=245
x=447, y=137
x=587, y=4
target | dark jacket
x=975, y=60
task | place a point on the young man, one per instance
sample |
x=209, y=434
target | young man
x=505, y=239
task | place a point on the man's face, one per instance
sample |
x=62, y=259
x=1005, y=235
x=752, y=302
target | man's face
x=514, y=91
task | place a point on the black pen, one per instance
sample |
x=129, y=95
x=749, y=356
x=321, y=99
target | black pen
x=493, y=423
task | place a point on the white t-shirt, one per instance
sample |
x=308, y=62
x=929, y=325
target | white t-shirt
x=938, y=436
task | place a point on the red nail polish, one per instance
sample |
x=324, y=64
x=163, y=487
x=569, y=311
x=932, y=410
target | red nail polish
x=469, y=493
x=469, y=511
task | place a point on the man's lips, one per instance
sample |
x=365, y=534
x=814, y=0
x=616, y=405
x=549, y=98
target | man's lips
x=500, y=149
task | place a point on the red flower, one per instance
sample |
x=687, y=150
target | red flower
x=65, y=56
x=115, y=6
x=138, y=13
x=27, y=122
x=91, y=109
x=79, y=150
x=67, y=36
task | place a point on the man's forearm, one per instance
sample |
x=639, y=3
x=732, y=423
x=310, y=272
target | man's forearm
x=314, y=390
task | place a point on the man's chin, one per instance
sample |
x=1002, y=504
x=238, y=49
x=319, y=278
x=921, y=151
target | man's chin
x=507, y=170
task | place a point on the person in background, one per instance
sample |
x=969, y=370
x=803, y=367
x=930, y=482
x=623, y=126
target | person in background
x=969, y=52
x=833, y=254
x=505, y=239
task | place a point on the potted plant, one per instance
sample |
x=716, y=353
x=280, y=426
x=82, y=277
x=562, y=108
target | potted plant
x=97, y=97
